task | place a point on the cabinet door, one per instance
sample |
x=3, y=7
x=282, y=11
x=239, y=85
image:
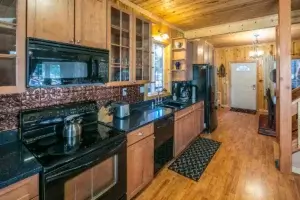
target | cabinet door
x=201, y=120
x=51, y=20
x=181, y=134
x=12, y=48
x=90, y=23
x=22, y=190
x=139, y=174
x=197, y=122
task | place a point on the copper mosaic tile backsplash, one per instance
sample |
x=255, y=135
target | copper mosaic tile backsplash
x=12, y=104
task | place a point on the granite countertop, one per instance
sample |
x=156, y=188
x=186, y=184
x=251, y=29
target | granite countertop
x=16, y=164
x=145, y=114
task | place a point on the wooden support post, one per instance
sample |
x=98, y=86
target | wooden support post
x=284, y=85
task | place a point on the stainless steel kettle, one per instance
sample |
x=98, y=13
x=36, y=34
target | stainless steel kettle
x=72, y=130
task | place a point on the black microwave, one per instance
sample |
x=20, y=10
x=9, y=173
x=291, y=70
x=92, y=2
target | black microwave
x=59, y=64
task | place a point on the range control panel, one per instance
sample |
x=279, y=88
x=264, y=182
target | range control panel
x=54, y=114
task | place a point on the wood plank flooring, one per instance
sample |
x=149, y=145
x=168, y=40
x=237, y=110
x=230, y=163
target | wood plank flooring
x=242, y=169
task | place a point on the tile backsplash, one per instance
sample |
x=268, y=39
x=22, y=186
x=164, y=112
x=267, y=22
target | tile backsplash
x=12, y=104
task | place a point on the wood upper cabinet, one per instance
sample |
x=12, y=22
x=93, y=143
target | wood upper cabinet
x=51, y=20
x=81, y=22
x=119, y=32
x=90, y=23
x=140, y=165
x=12, y=48
x=142, y=50
x=26, y=189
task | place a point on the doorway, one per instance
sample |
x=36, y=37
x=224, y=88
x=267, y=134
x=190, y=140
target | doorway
x=243, y=85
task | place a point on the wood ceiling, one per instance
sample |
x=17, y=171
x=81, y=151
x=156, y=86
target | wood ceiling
x=194, y=14
x=246, y=38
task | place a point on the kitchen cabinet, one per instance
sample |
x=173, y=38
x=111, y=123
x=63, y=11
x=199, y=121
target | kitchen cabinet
x=199, y=118
x=120, y=44
x=189, y=123
x=12, y=48
x=184, y=129
x=140, y=160
x=90, y=23
x=142, y=34
x=51, y=20
x=203, y=52
x=27, y=189
x=81, y=22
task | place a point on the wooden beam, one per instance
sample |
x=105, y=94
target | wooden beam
x=284, y=87
x=149, y=14
x=245, y=25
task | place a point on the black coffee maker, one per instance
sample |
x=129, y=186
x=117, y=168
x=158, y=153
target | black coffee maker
x=184, y=91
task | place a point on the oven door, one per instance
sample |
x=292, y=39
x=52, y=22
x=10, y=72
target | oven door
x=98, y=175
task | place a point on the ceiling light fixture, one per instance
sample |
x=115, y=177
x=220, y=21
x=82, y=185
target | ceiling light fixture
x=256, y=53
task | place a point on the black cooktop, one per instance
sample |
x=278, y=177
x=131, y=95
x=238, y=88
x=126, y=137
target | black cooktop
x=41, y=132
x=52, y=151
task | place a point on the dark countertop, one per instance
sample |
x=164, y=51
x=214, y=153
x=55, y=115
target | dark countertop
x=16, y=164
x=145, y=114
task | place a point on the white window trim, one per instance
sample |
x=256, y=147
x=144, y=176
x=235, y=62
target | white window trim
x=155, y=93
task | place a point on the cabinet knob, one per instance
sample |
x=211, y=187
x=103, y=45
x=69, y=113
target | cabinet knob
x=77, y=41
x=140, y=134
x=72, y=41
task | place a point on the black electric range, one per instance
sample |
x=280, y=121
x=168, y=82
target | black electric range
x=41, y=131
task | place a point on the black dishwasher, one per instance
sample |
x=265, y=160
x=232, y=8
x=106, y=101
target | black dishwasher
x=164, y=141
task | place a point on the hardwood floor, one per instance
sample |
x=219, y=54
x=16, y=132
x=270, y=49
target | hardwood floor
x=243, y=168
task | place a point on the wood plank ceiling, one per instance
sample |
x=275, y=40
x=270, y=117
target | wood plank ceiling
x=194, y=14
x=246, y=38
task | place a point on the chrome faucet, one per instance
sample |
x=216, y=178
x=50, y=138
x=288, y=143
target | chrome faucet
x=158, y=99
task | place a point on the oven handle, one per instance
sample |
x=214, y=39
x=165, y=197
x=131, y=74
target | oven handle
x=79, y=168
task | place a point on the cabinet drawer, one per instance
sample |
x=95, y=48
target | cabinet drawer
x=199, y=105
x=25, y=189
x=140, y=134
x=183, y=112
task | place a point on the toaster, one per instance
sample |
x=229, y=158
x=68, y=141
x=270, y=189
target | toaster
x=121, y=109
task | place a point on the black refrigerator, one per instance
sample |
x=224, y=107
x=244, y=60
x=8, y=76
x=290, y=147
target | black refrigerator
x=204, y=80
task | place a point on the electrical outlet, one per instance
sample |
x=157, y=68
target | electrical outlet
x=124, y=92
x=142, y=89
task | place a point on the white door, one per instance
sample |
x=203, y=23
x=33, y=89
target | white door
x=243, y=85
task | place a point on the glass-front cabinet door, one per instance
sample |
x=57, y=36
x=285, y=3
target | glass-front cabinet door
x=120, y=45
x=142, y=50
x=12, y=45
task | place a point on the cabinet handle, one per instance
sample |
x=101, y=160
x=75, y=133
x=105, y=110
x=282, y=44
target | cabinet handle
x=140, y=134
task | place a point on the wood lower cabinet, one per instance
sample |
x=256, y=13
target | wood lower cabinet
x=140, y=165
x=189, y=123
x=51, y=20
x=26, y=189
x=90, y=23
x=184, y=132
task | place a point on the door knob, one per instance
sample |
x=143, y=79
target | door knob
x=254, y=87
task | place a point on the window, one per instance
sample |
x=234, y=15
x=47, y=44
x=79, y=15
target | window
x=157, y=78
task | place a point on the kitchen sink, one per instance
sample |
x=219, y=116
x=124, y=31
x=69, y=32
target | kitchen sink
x=172, y=104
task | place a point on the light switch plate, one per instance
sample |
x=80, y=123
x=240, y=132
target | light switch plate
x=142, y=89
x=124, y=92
